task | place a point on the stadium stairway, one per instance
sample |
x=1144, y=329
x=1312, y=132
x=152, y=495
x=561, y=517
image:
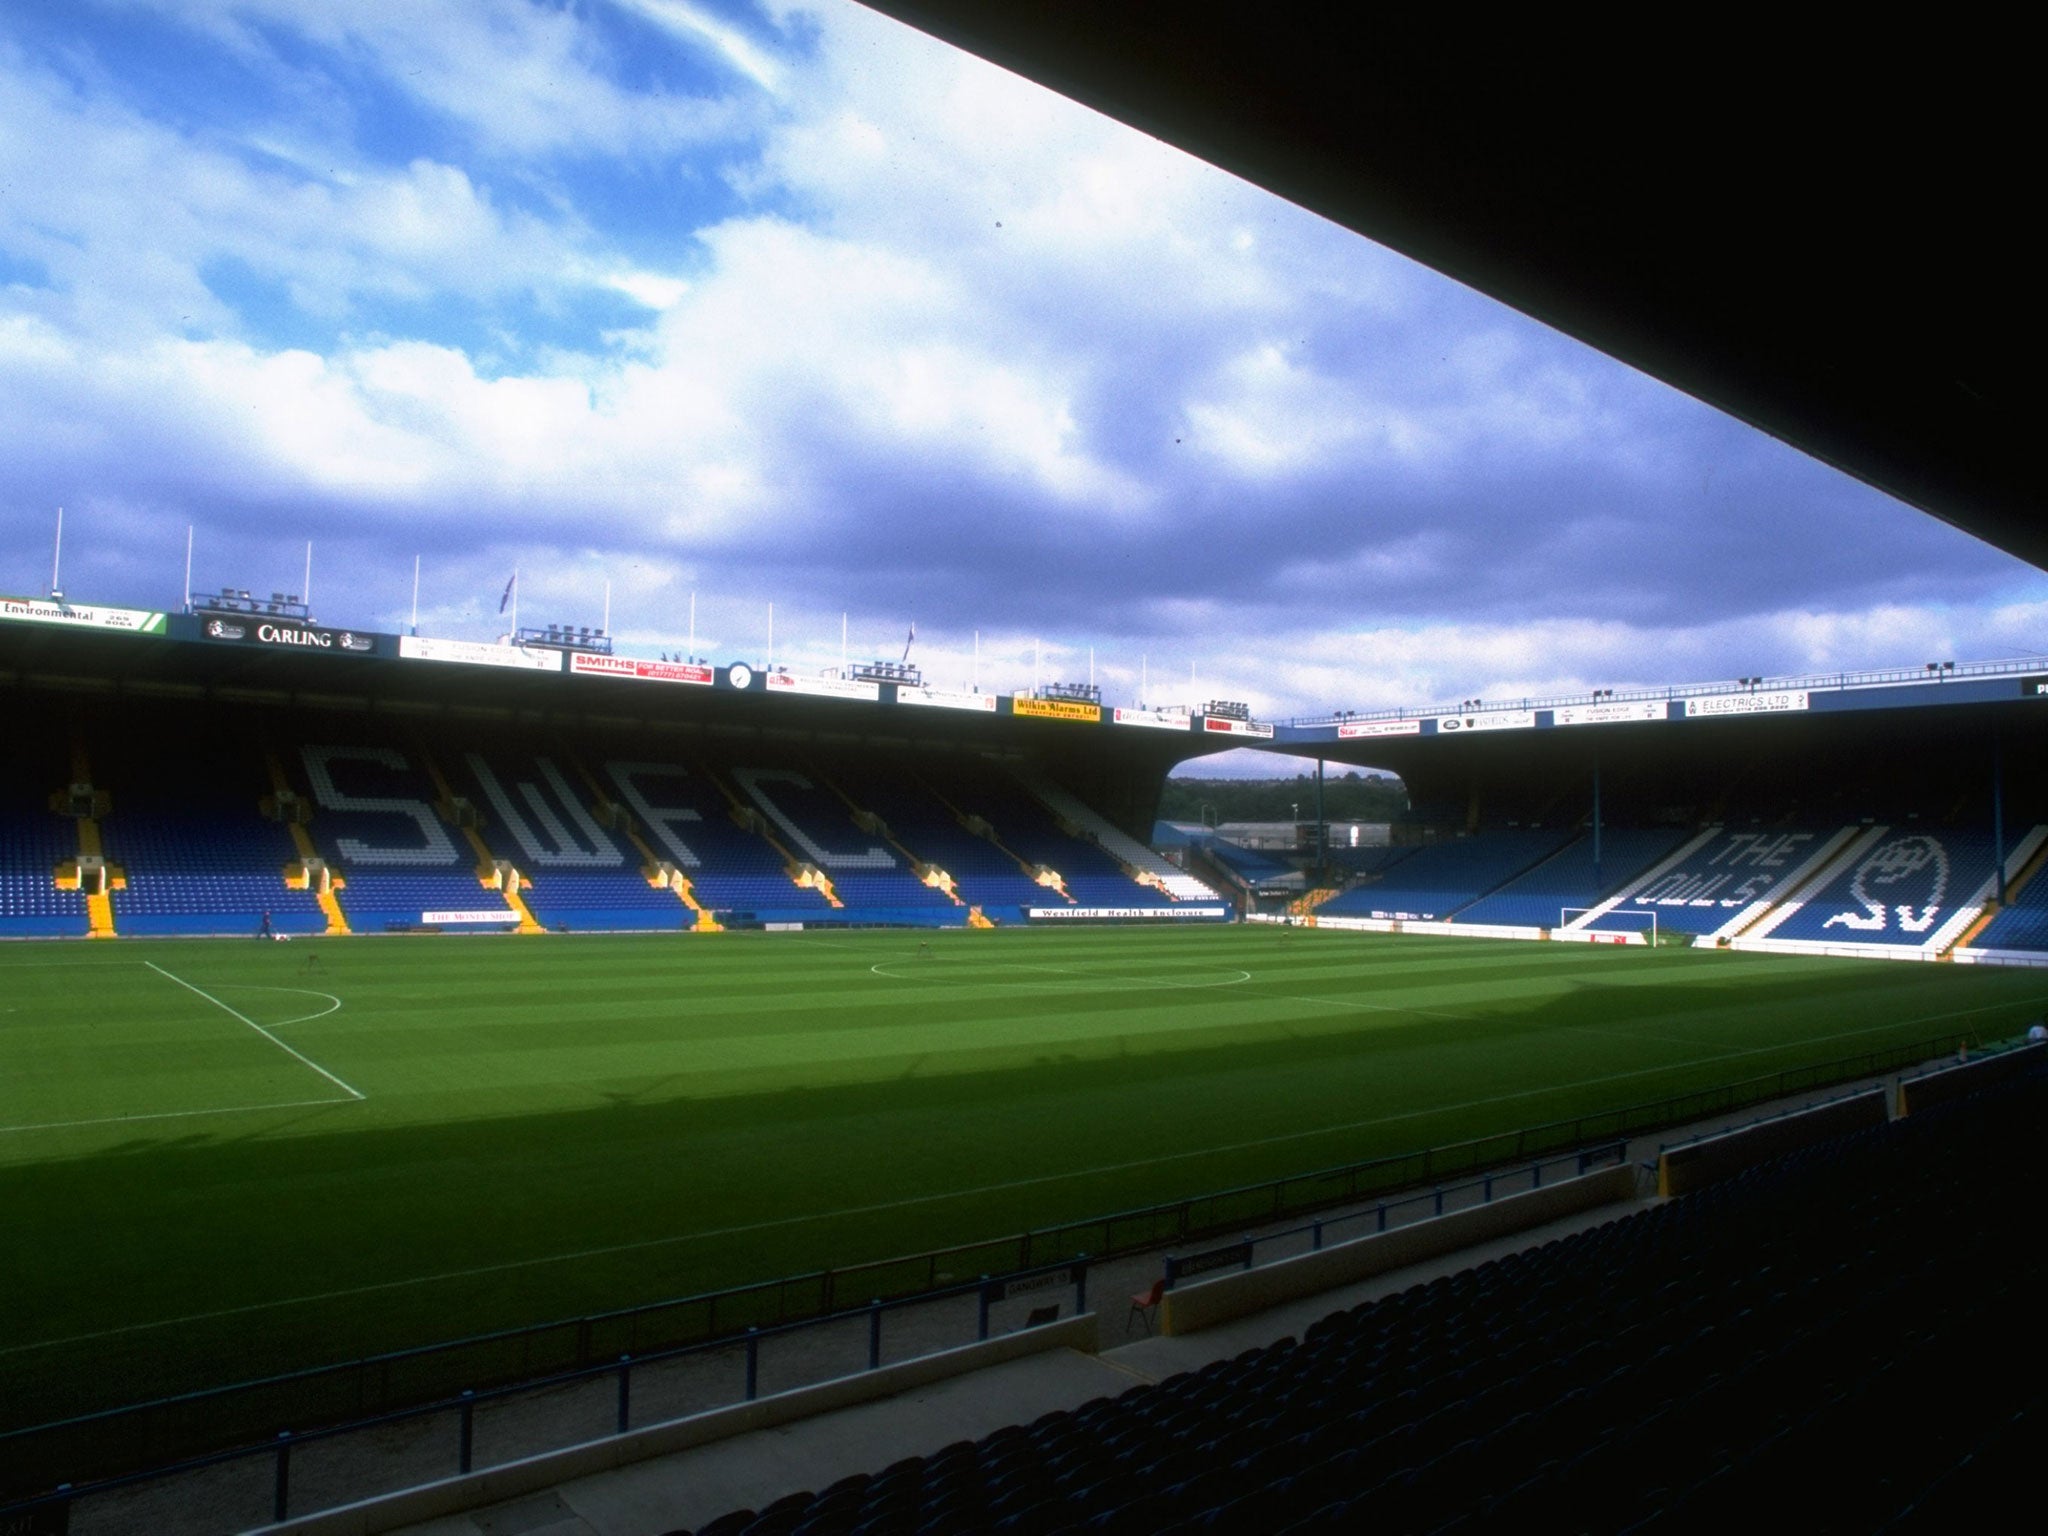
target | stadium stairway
x=658, y=872
x=1439, y=879
x=929, y=875
x=379, y=820
x=1910, y=890
x=1042, y=878
x=283, y=800
x=1596, y=918
x=577, y=870
x=1569, y=877
x=492, y=873
x=1141, y=863
x=39, y=885
x=1306, y=904
x=99, y=905
x=1833, y=855
x=753, y=818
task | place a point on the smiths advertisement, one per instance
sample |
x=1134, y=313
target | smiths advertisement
x=588, y=664
x=275, y=634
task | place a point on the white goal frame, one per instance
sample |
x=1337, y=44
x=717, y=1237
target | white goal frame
x=1564, y=917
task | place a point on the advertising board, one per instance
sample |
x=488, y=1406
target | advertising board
x=1353, y=730
x=585, y=664
x=472, y=653
x=823, y=687
x=1217, y=725
x=1056, y=709
x=286, y=635
x=480, y=916
x=946, y=698
x=1611, y=714
x=1156, y=719
x=1487, y=720
x=39, y=610
x=1745, y=704
x=1182, y=909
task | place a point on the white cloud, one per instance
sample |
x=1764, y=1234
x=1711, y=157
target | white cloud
x=939, y=360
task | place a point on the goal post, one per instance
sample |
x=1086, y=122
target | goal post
x=1564, y=917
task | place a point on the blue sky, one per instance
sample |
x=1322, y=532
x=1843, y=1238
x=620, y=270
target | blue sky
x=788, y=304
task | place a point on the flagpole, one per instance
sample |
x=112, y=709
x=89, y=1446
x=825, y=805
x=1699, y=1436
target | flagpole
x=515, y=605
x=770, y=664
x=415, y=593
x=842, y=645
x=693, y=628
x=977, y=661
x=607, y=629
x=306, y=594
x=188, y=567
x=57, y=559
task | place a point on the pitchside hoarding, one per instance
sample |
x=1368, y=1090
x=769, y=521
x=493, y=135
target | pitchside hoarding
x=471, y=653
x=275, y=634
x=1056, y=709
x=823, y=687
x=946, y=698
x=588, y=664
x=39, y=610
x=1157, y=719
x=1491, y=720
x=1354, y=730
x=1745, y=704
x=1123, y=914
x=1611, y=714
x=1217, y=725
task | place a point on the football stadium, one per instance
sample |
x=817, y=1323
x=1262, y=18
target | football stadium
x=435, y=1017
x=524, y=1086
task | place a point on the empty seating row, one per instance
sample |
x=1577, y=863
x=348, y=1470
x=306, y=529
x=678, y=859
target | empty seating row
x=1574, y=877
x=1436, y=881
x=1831, y=1336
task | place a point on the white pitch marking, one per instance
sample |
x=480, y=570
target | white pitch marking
x=172, y=1114
x=354, y=1093
x=334, y=1003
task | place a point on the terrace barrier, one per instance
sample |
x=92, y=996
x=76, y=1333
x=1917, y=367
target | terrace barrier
x=177, y=1429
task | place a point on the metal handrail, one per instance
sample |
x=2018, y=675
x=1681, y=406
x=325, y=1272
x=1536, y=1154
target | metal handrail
x=1246, y=1247
x=465, y=1402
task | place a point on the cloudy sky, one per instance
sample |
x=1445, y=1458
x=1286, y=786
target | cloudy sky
x=787, y=304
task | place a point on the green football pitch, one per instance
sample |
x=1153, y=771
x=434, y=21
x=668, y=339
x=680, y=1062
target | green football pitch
x=222, y=1159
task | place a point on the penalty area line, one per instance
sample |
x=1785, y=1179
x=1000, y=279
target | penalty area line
x=299, y=1056
x=170, y=1114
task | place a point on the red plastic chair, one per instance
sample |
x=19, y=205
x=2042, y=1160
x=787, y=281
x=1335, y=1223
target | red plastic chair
x=1145, y=1303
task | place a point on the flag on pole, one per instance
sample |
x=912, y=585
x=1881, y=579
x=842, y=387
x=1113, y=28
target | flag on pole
x=908, y=639
x=509, y=584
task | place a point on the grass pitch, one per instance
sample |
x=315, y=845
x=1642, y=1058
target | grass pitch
x=219, y=1160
